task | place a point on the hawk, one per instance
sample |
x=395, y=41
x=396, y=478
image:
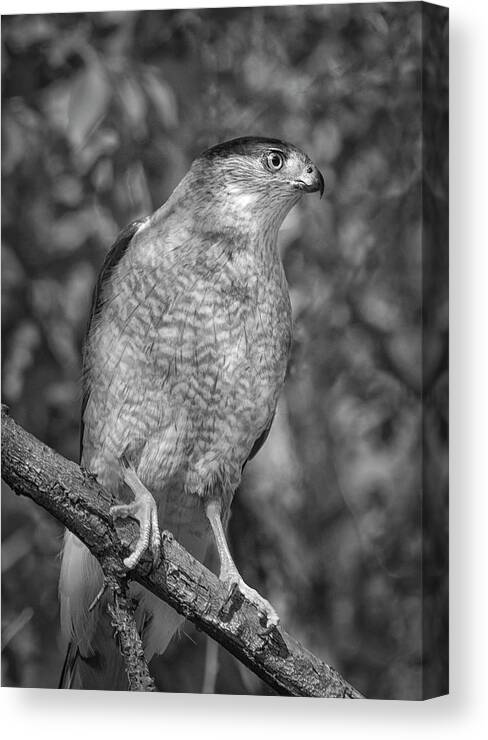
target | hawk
x=184, y=360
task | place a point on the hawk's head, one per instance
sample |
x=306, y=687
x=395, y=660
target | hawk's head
x=256, y=176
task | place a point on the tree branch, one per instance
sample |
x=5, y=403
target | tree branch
x=124, y=624
x=73, y=496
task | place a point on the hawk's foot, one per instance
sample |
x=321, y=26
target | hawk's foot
x=266, y=612
x=145, y=511
x=228, y=571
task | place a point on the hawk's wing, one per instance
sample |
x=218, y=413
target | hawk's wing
x=260, y=441
x=114, y=255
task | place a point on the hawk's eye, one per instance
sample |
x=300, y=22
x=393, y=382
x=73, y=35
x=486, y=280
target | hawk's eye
x=274, y=161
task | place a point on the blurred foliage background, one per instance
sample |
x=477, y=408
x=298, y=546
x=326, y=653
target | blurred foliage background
x=102, y=115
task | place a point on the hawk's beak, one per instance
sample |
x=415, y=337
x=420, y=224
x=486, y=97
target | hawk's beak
x=320, y=182
x=311, y=181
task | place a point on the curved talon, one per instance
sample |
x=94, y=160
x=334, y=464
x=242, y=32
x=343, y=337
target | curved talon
x=263, y=606
x=155, y=539
x=144, y=511
x=121, y=511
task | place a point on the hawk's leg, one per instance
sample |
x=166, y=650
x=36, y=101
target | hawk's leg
x=144, y=509
x=228, y=571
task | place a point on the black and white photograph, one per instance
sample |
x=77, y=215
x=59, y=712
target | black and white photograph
x=225, y=350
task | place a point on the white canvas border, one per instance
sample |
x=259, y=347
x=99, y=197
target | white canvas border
x=47, y=714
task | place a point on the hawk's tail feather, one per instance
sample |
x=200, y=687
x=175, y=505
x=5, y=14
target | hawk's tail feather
x=103, y=670
x=68, y=670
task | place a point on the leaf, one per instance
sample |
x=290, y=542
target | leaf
x=89, y=100
x=20, y=357
x=134, y=103
x=139, y=194
x=13, y=146
x=378, y=22
x=162, y=97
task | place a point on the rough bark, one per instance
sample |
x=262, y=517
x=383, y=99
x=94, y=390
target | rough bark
x=74, y=497
x=124, y=624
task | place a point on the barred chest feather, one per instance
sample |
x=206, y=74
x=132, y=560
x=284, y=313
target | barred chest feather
x=187, y=360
